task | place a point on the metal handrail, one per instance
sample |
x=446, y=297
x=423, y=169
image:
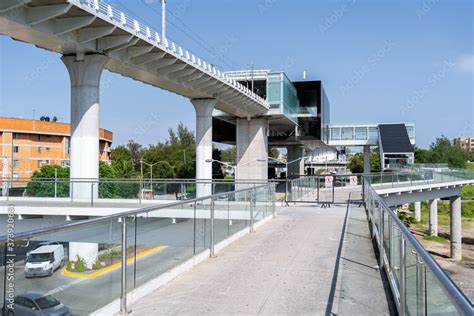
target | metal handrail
x=456, y=296
x=121, y=214
x=124, y=21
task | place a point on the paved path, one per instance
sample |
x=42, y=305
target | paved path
x=289, y=266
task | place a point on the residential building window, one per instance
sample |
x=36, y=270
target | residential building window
x=16, y=149
x=16, y=136
x=39, y=137
x=40, y=150
x=15, y=175
x=46, y=162
x=40, y=163
x=68, y=145
x=15, y=163
x=47, y=149
x=65, y=163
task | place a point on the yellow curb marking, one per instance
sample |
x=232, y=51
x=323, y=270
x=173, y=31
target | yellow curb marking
x=111, y=267
x=280, y=196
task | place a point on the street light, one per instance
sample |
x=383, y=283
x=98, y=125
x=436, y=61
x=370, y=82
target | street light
x=151, y=170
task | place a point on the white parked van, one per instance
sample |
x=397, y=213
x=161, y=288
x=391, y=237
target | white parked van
x=44, y=260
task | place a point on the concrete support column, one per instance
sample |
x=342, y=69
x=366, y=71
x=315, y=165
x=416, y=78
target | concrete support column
x=296, y=168
x=417, y=211
x=204, y=108
x=252, y=150
x=84, y=250
x=433, y=221
x=366, y=159
x=456, y=229
x=84, y=72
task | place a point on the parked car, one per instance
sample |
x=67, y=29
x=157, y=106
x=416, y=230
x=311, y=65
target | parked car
x=44, y=260
x=37, y=303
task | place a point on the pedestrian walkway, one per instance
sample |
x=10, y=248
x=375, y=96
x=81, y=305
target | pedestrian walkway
x=289, y=266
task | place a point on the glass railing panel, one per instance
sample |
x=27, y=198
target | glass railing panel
x=394, y=258
x=221, y=217
x=162, y=240
x=414, y=282
x=121, y=189
x=70, y=264
x=202, y=230
x=239, y=211
x=437, y=302
x=260, y=204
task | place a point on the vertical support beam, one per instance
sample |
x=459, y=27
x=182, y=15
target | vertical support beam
x=417, y=211
x=204, y=108
x=456, y=229
x=296, y=168
x=84, y=72
x=433, y=221
x=366, y=159
x=252, y=150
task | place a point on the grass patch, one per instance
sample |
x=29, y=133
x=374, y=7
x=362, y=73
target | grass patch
x=435, y=238
x=470, y=166
x=467, y=192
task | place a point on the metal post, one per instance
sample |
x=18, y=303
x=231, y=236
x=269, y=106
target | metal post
x=333, y=188
x=194, y=229
x=135, y=220
x=55, y=182
x=212, y=228
x=381, y=233
x=252, y=205
x=402, y=290
x=123, y=289
x=92, y=194
x=272, y=191
x=71, y=191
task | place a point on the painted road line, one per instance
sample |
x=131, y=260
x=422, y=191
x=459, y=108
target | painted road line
x=65, y=286
x=111, y=267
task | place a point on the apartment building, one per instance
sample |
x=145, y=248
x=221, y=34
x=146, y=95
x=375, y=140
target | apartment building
x=466, y=143
x=27, y=145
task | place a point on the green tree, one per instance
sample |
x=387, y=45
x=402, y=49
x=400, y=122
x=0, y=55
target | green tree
x=43, y=182
x=274, y=152
x=443, y=151
x=356, y=165
x=229, y=155
x=123, y=165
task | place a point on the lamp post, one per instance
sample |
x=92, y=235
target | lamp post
x=151, y=170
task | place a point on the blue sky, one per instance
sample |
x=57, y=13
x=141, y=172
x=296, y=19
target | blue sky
x=380, y=61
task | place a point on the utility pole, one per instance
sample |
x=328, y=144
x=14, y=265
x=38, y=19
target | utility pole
x=163, y=20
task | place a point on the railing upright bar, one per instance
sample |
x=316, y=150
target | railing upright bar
x=211, y=206
x=402, y=289
x=123, y=289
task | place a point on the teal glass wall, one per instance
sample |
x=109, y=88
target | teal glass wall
x=282, y=96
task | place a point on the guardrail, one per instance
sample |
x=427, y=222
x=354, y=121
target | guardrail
x=108, y=258
x=148, y=34
x=419, y=285
x=110, y=189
